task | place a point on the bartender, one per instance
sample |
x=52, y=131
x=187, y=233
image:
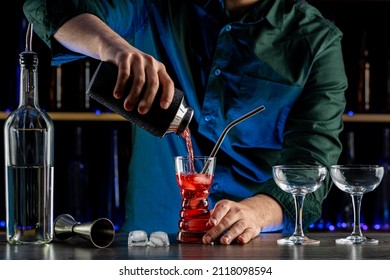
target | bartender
x=228, y=57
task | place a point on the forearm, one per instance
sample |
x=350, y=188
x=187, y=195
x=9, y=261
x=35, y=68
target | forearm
x=89, y=35
x=93, y=39
x=269, y=211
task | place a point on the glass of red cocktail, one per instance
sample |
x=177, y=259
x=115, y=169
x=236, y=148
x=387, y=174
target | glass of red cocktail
x=194, y=176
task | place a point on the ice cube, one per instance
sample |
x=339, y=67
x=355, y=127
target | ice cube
x=203, y=179
x=138, y=238
x=159, y=239
x=188, y=186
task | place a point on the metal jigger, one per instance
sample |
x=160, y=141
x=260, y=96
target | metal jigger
x=100, y=232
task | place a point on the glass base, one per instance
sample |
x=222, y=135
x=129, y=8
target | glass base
x=190, y=236
x=357, y=239
x=298, y=240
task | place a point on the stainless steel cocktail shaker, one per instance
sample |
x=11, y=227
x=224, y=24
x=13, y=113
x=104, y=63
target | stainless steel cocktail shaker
x=157, y=121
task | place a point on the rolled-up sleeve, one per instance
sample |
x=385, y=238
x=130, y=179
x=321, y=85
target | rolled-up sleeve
x=48, y=15
x=312, y=132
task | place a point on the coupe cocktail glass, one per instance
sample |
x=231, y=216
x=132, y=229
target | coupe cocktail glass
x=299, y=180
x=356, y=180
x=194, y=176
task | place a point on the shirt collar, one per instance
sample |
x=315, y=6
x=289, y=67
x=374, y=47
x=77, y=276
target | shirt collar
x=276, y=13
x=272, y=10
x=209, y=3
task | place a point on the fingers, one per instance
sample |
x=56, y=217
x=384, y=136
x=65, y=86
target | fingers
x=148, y=76
x=231, y=222
x=168, y=90
x=147, y=88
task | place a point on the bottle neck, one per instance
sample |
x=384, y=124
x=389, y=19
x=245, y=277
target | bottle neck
x=28, y=80
x=350, y=147
x=79, y=150
x=386, y=143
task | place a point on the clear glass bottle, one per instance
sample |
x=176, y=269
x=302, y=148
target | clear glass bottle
x=382, y=199
x=345, y=218
x=29, y=160
x=78, y=181
x=388, y=83
x=364, y=82
x=364, y=86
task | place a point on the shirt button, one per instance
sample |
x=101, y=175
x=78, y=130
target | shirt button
x=216, y=186
x=217, y=72
x=228, y=28
x=207, y=118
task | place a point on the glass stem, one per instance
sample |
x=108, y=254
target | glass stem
x=356, y=203
x=298, y=200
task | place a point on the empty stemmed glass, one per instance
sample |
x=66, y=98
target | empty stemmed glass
x=356, y=180
x=299, y=180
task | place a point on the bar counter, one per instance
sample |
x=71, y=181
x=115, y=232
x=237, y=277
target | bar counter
x=263, y=247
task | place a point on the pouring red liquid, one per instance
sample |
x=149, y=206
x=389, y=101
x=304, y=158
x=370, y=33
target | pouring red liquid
x=194, y=175
x=194, y=189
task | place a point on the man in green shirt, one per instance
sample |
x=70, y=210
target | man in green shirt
x=228, y=57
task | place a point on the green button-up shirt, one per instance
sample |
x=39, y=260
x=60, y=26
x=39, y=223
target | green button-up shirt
x=281, y=54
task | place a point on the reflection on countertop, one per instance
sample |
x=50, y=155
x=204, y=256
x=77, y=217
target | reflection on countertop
x=263, y=247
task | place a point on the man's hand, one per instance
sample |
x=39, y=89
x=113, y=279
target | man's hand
x=243, y=221
x=88, y=35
